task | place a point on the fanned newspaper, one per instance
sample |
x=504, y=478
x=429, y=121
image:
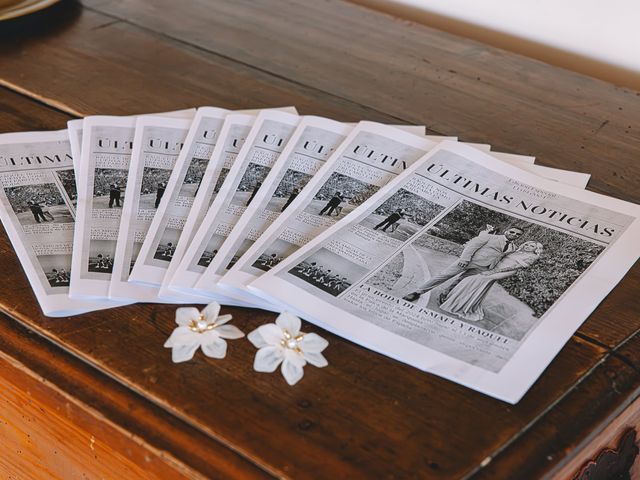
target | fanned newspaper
x=234, y=131
x=38, y=210
x=104, y=166
x=160, y=244
x=156, y=145
x=467, y=263
x=465, y=267
x=266, y=140
x=313, y=142
x=354, y=179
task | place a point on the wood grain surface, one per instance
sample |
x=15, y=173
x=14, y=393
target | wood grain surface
x=59, y=419
x=366, y=415
x=41, y=439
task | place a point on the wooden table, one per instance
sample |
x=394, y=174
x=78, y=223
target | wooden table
x=96, y=396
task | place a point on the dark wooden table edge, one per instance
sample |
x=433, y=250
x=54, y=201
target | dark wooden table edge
x=43, y=101
x=17, y=334
x=611, y=355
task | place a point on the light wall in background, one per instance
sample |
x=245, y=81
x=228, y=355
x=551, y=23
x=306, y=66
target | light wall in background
x=600, y=38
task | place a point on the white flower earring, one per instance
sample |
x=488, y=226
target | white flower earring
x=201, y=329
x=283, y=343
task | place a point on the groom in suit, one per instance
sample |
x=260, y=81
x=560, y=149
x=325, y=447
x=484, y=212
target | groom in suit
x=479, y=254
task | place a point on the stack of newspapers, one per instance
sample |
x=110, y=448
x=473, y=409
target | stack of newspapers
x=471, y=264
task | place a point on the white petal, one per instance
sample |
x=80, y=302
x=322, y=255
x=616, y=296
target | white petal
x=184, y=315
x=315, y=358
x=182, y=353
x=211, y=311
x=229, y=331
x=312, y=342
x=271, y=333
x=288, y=321
x=291, y=371
x=181, y=336
x=295, y=357
x=267, y=359
x=222, y=319
x=214, y=347
x=256, y=338
x=208, y=336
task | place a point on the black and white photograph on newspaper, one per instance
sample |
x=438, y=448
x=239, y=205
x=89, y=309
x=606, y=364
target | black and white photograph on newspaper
x=108, y=187
x=39, y=203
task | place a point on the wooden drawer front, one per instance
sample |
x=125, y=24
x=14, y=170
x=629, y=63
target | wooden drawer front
x=610, y=455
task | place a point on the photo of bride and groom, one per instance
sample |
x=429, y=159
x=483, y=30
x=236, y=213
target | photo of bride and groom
x=485, y=259
x=486, y=268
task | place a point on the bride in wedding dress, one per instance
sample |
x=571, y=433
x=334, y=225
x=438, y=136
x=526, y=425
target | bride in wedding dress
x=465, y=299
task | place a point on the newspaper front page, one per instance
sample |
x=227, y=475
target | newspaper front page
x=233, y=133
x=156, y=145
x=38, y=210
x=103, y=168
x=266, y=140
x=465, y=267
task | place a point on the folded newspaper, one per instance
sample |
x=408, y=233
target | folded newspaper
x=467, y=263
